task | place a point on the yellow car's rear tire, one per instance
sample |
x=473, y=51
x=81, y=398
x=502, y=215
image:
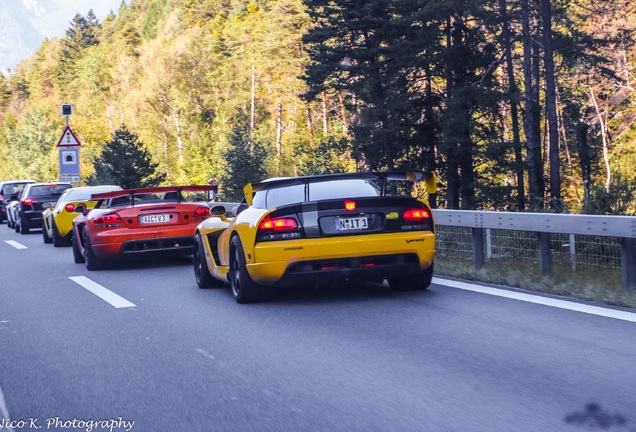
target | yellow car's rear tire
x=417, y=282
x=58, y=240
x=244, y=289
x=45, y=235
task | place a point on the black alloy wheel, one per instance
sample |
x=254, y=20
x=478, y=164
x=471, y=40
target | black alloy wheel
x=244, y=289
x=92, y=262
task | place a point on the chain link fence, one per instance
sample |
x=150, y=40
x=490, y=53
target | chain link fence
x=583, y=266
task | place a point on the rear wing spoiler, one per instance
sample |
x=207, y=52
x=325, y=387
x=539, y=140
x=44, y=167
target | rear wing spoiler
x=157, y=189
x=429, y=179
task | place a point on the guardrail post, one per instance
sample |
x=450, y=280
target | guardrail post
x=627, y=258
x=478, y=247
x=545, y=256
x=573, y=252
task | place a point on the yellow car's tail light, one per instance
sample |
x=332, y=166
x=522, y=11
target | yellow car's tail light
x=278, y=224
x=416, y=215
x=417, y=219
x=278, y=229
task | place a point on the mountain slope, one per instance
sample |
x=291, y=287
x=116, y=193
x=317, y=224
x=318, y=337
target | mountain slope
x=25, y=23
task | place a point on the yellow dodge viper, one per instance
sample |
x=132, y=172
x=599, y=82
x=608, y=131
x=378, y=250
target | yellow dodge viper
x=57, y=218
x=314, y=230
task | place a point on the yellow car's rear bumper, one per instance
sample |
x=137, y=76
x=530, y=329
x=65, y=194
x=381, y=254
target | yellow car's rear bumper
x=370, y=257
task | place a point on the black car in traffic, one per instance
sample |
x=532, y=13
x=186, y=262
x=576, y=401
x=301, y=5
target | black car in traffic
x=9, y=191
x=34, y=199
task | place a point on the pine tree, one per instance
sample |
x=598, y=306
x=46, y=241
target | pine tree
x=125, y=162
x=246, y=160
x=373, y=50
x=80, y=35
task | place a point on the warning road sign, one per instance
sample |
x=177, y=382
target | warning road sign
x=68, y=139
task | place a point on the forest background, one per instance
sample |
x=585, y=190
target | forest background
x=516, y=105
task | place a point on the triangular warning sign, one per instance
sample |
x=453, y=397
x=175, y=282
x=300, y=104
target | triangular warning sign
x=68, y=139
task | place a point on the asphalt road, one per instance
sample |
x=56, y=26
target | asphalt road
x=154, y=349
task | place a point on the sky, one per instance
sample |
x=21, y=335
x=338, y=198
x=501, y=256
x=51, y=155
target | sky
x=24, y=24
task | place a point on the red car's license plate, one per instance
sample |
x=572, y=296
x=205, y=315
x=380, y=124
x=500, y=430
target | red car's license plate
x=154, y=218
x=352, y=223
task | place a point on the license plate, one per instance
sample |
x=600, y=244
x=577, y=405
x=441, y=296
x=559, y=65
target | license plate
x=155, y=218
x=352, y=223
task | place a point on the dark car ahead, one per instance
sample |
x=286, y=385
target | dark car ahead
x=34, y=199
x=10, y=190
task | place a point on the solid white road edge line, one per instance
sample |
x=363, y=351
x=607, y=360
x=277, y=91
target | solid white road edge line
x=101, y=292
x=4, y=412
x=546, y=301
x=15, y=244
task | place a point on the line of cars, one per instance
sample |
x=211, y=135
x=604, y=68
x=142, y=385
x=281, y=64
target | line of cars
x=296, y=231
x=10, y=191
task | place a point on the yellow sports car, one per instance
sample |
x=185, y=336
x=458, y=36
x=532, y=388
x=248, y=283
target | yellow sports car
x=57, y=219
x=315, y=230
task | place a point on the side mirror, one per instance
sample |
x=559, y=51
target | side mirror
x=218, y=210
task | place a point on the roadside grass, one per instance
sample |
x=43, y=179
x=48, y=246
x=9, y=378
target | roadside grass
x=600, y=285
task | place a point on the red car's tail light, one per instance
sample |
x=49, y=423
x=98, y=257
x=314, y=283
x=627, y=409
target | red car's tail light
x=350, y=205
x=110, y=220
x=279, y=224
x=416, y=215
x=69, y=208
x=28, y=201
x=202, y=211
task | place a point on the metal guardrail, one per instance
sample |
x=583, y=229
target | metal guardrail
x=544, y=224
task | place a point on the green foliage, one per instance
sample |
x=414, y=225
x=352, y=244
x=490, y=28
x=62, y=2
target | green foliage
x=125, y=162
x=5, y=92
x=620, y=199
x=80, y=35
x=30, y=150
x=151, y=18
x=369, y=49
x=246, y=160
x=327, y=156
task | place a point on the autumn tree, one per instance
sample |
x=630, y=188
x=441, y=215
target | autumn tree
x=29, y=151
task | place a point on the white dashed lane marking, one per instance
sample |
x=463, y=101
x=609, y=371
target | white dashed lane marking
x=15, y=244
x=105, y=294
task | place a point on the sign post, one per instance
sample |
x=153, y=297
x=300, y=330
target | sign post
x=68, y=146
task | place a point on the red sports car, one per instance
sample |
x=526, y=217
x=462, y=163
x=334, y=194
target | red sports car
x=134, y=222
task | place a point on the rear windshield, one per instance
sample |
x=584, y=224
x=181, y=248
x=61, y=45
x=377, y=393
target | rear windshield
x=9, y=189
x=47, y=190
x=85, y=194
x=334, y=189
